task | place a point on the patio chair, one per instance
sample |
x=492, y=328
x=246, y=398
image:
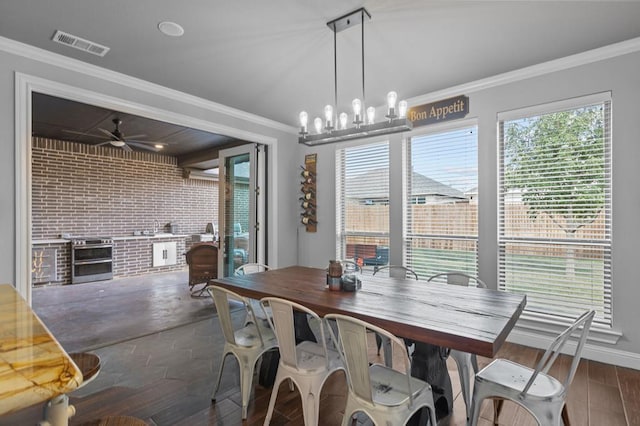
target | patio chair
x=247, y=344
x=202, y=259
x=388, y=396
x=306, y=364
x=467, y=363
x=540, y=393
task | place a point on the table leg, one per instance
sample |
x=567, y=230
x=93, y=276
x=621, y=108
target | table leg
x=57, y=412
x=429, y=363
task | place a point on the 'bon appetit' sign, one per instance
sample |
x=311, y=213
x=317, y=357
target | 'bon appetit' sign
x=437, y=112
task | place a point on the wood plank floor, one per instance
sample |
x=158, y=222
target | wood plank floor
x=166, y=378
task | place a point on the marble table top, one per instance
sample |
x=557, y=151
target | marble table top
x=33, y=365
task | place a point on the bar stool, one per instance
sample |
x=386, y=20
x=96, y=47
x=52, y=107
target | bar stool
x=58, y=411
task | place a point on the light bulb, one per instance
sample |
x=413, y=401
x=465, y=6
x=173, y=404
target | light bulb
x=357, y=106
x=317, y=123
x=371, y=115
x=304, y=118
x=343, y=120
x=328, y=116
x=392, y=97
x=402, y=109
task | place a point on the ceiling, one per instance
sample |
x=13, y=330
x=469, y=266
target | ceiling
x=275, y=58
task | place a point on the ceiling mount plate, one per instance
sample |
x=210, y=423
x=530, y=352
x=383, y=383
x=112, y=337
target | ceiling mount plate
x=349, y=20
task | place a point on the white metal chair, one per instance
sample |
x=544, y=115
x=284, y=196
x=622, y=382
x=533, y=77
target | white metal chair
x=387, y=396
x=534, y=389
x=307, y=364
x=247, y=344
x=397, y=269
x=252, y=268
x=467, y=363
x=391, y=269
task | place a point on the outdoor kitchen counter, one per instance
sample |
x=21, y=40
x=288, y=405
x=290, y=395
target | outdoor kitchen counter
x=150, y=237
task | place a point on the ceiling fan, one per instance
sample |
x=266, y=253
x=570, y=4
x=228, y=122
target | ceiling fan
x=117, y=139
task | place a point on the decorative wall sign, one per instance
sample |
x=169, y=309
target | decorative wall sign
x=308, y=189
x=437, y=112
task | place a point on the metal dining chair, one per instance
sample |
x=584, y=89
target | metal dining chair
x=467, y=363
x=540, y=393
x=247, y=343
x=390, y=269
x=258, y=312
x=388, y=396
x=306, y=364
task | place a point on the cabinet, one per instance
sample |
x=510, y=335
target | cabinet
x=164, y=254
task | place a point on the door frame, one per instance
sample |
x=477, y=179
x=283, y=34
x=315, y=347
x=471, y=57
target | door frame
x=257, y=202
x=26, y=85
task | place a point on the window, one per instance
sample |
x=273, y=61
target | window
x=555, y=207
x=441, y=213
x=362, y=183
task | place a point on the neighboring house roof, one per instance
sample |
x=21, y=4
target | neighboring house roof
x=375, y=185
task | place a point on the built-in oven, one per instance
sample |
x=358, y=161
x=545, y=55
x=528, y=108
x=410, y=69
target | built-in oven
x=91, y=259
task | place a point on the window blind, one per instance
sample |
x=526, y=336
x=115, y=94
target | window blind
x=441, y=214
x=555, y=208
x=362, y=204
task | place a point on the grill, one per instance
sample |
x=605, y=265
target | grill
x=91, y=259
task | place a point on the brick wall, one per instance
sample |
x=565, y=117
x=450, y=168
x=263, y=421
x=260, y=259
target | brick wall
x=95, y=191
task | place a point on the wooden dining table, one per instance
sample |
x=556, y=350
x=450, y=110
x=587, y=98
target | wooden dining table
x=469, y=319
x=435, y=316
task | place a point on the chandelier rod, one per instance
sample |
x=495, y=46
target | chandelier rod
x=362, y=50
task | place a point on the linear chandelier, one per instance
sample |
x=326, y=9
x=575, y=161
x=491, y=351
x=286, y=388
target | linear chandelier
x=335, y=127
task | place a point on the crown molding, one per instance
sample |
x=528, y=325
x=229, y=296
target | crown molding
x=55, y=59
x=567, y=62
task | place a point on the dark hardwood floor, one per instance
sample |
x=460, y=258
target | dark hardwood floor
x=166, y=377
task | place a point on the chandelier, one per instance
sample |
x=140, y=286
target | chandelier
x=336, y=127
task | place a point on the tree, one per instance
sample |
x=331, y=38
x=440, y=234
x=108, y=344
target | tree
x=557, y=162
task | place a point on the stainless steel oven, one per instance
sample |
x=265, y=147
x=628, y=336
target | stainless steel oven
x=91, y=259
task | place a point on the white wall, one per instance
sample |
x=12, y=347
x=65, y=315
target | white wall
x=618, y=75
x=136, y=94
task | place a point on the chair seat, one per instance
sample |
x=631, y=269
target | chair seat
x=248, y=336
x=88, y=363
x=389, y=387
x=508, y=374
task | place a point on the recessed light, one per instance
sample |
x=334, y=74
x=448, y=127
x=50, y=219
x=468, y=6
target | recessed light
x=158, y=146
x=170, y=28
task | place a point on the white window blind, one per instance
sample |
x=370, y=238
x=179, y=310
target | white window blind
x=441, y=214
x=362, y=204
x=555, y=207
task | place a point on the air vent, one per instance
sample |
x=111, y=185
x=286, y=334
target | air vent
x=80, y=43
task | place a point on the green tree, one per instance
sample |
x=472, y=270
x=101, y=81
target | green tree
x=557, y=162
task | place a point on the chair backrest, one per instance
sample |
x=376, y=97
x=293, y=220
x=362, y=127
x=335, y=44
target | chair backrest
x=250, y=268
x=408, y=272
x=221, y=297
x=582, y=324
x=459, y=278
x=352, y=346
x=282, y=322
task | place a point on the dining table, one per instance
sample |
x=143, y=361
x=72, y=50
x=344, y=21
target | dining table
x=434, y=315
x=34, y=367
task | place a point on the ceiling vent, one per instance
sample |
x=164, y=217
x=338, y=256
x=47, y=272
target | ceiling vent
x=80, y=43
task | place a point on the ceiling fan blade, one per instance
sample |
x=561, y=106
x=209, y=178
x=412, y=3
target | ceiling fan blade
x=127, y=137
x=126, y=148
x=149, y=142
x=142, y=146
x=82, y=133
x=102, y=143
x=108, y=133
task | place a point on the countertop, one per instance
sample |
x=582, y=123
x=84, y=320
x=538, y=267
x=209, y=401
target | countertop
x=33, y=365
x=119, y=238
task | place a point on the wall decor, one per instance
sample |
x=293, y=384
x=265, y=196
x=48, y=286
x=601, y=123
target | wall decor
x=308, y=189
